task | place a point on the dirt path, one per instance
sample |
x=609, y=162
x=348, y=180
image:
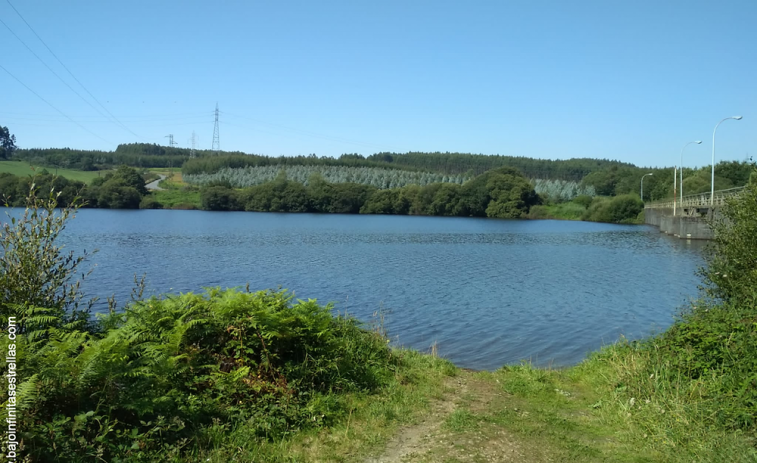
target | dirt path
x=456, y=430
x=154, y=184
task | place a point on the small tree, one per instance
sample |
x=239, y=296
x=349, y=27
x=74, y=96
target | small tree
x=35, y=272
x=7, y=143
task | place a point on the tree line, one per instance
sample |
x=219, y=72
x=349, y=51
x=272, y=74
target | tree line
x=374, y=176
x=213, y=164
x=95, y=160
x=615, y=180
x=474, y=164
x=123, y=188
x=499, y=193
x=601, y=177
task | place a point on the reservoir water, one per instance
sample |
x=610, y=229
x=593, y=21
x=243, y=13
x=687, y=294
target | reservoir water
x=487, y=292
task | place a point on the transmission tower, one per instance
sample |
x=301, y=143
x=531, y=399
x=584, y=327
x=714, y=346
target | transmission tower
x=194, y=143
x=170, y=140
x=216, y=147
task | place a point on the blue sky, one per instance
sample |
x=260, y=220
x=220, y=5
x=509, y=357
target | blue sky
x=631, y=80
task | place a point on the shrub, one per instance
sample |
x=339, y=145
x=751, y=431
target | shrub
x=34, y=269
x=164, y=369
x=117, y=195
x=219, y=198
x=539, y=213
x=148, y=202
x=731, y=272
x=620, y=209
x=583, y=200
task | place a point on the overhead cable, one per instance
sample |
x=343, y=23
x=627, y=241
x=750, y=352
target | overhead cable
x=69, y=71
x=51, y=105
x=51, y=70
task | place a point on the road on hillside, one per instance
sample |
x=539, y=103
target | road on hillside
x=154, y=184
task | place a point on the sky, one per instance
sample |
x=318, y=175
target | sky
x=626, y=80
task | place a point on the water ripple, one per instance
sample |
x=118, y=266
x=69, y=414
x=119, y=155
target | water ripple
x=488, y=292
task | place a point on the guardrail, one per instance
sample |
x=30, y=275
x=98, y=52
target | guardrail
x=697, y=200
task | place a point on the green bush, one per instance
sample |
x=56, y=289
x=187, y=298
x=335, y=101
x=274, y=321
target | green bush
x=115, y=194
x=219, y=198
x=539, y=213
x=148, y=202
x=620, y=209
x=583, y=200
x=731, y=272
x=164, y=369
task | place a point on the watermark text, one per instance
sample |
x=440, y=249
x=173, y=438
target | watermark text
x=11, y=439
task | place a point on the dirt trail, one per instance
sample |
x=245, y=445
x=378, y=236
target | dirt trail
x=154, y=184
x=431, y=440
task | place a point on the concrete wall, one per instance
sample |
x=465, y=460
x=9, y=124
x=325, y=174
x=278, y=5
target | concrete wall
x=682, y=226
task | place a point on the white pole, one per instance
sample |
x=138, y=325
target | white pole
x=674, y=190
x=642, y=185
x=680, y=187
x=712, y=185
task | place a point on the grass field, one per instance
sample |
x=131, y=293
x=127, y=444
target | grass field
x=21, y=169
x=177, y=199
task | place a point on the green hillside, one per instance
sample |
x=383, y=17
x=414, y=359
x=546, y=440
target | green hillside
x=22, y=169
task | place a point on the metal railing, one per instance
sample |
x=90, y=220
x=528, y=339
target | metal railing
x=697, y=200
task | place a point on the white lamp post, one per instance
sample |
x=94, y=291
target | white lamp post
x=712, y=187
x=642, y=184
x=698, y=142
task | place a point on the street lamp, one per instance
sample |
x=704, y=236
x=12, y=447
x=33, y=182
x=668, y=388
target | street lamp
x=698, y=142
x=712, y=187
x=642, y=185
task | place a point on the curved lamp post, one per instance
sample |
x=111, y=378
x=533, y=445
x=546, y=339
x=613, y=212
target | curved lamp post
x=698, y=142
x=712, y=187
x=642, y=185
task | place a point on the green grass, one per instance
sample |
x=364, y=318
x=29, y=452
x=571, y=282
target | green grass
x=177, y=198
x=373, y=420
x=22, y=169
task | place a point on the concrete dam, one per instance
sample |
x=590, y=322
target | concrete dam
x=689, y=217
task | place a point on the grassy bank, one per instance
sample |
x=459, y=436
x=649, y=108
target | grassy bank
x=177, y=198
x=23, y=169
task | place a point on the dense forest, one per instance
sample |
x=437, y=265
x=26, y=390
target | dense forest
x=213, y=164
x=455, y=163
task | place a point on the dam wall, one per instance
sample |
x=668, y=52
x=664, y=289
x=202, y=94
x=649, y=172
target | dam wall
x=686, y=224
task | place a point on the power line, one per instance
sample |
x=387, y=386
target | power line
x=69, y=71
x=51, y=105
x=51, y=69
x=56, y=118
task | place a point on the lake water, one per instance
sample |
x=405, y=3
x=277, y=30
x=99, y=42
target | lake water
x=488, y=292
